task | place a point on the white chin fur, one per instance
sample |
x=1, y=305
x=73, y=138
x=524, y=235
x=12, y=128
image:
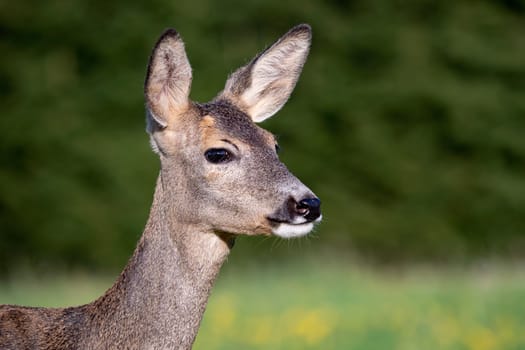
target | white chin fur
x=290, y=231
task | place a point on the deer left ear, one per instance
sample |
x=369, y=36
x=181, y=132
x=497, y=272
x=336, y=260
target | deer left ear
x=264, y=85
x=168, y=81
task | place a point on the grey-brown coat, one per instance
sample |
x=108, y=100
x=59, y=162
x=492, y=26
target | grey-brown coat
x=220, y=176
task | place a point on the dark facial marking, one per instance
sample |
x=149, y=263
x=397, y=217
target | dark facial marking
x=231, y=143
x=233, y=121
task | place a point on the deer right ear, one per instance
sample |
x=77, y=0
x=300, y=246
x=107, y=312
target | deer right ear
x=264, y=85
x=168, y=81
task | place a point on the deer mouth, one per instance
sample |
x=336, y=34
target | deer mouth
x=287, y=229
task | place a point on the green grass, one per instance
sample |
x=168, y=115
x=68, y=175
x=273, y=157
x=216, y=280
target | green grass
x=336, y=307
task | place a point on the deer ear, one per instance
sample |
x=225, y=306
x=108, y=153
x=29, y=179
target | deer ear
x=264, y=85
x=168, y=81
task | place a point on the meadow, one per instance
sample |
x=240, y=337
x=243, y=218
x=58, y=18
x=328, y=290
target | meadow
x=323, y=305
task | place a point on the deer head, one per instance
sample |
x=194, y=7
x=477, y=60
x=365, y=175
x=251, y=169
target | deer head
x=222, y=170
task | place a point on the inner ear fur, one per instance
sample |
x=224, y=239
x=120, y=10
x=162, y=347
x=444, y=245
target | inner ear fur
x=168, y=81
x=264, y=85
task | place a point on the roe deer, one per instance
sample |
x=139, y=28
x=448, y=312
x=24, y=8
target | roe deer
x=220, y=176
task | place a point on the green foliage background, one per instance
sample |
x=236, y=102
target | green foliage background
x=408, y=122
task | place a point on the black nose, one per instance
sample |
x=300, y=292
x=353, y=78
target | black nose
x=309, y=208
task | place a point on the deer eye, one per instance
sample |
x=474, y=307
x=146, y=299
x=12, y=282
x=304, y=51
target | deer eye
x=277, y=148
x=217, y=155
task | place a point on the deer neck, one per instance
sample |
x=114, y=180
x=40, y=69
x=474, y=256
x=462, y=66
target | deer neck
x=160, y=297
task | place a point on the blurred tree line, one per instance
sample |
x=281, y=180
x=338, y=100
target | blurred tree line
x=408, y=121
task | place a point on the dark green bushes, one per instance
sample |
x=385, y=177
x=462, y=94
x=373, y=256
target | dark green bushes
x=408, y=121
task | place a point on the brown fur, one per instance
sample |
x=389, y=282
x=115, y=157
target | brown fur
x=198, y=208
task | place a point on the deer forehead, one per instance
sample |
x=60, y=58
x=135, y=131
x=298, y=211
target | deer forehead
x=219, y=123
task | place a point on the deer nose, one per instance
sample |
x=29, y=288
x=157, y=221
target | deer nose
x=309, y=208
